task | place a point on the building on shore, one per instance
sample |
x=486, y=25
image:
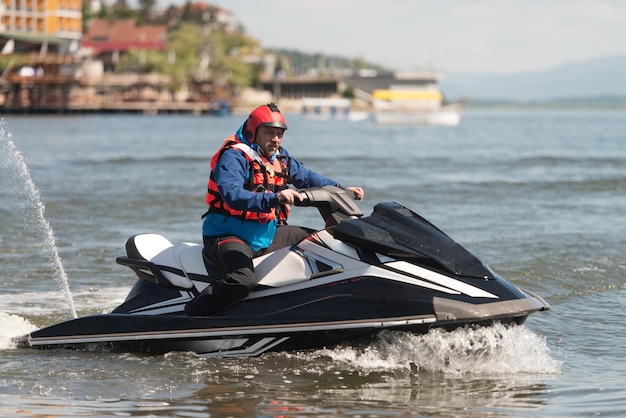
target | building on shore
x=25, y=24
x=107, y=40
x=37, y=39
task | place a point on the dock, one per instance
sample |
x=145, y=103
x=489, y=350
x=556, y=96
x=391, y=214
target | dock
x=49, y=84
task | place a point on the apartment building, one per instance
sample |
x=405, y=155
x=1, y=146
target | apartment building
x=52, y=21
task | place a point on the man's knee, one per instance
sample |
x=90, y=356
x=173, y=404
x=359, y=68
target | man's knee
x=288, y=235
x=233, y=259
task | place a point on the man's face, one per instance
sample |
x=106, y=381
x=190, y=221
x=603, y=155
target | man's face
x=268, y=139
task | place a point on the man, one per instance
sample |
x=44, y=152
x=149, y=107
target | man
x=248, y=198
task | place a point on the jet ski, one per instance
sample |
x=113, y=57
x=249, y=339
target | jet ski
x=345, y=283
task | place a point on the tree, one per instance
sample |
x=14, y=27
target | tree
x=146, y=9
x=121, y=10
x=228, y=50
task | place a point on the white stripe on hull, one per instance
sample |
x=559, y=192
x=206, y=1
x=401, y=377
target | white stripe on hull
x=233, y=331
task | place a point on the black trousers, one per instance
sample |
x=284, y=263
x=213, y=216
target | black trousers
x=232, y=258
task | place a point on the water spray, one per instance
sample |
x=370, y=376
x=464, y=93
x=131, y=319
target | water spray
x=15, y=162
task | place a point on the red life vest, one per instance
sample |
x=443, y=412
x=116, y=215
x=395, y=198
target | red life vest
x=265, y=176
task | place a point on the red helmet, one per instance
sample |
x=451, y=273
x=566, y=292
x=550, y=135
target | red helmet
x=266, y=115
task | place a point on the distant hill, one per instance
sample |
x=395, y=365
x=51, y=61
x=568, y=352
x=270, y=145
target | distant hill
x=598, y=78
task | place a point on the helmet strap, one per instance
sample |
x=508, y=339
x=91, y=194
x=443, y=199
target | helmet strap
x=247, y=132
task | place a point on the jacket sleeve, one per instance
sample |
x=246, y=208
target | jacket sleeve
x=231, y=173
x=304, y=178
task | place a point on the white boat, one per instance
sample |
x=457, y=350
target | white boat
x=330, y=108
x=416, y=100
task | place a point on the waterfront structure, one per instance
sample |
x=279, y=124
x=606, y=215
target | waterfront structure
x=48, y=30
x=331, y=108
x=414, y=98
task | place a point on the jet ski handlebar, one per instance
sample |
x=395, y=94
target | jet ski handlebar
x=335, y=204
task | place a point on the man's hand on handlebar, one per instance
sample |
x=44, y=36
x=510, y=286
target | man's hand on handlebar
x=359, y=194
x=289, y=196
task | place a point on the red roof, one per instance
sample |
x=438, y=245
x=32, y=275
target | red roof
x=105, y=35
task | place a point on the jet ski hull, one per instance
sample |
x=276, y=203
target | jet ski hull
x=311, y=325
x=241, y=337
x=393, y=270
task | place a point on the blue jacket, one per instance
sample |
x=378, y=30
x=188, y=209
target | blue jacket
x=231, y=172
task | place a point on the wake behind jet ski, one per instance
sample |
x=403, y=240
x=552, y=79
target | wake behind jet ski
x=392, y=270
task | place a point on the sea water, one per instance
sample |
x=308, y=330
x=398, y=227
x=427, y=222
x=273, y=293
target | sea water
x=539, y=195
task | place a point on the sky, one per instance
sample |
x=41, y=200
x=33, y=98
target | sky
x=495, y=36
